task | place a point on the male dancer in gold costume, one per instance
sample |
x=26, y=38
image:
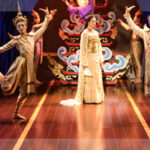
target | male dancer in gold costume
x=145, y=35
x=21, y=71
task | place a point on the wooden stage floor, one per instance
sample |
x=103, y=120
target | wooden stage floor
x=122, y=122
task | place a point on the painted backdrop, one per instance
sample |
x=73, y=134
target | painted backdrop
x=61, y=40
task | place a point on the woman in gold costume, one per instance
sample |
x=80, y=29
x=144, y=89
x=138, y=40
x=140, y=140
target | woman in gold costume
x=90, y=81
x=21, y=71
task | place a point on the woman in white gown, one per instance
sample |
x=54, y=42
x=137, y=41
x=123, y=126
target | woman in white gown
x=90, y=82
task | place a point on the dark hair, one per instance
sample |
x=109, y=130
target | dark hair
x=140, y=18
x=88, y=19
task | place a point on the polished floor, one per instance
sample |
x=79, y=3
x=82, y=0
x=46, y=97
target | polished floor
x=122, y=122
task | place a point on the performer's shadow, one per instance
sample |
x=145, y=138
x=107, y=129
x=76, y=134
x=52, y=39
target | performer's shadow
x=13, y=121
x=17, y=122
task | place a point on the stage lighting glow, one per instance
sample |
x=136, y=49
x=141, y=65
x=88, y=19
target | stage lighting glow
x=83, y=3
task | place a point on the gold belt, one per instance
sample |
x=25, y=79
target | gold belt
x=93, y=50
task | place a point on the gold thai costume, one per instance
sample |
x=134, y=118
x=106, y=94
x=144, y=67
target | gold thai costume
x=23, y=66
x=21, y=71
x=90, y=81
x=136, y=53
x=145, y=35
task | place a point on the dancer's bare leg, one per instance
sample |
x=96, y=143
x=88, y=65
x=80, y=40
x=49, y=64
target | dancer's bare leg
x=21, y=98
x=37, y=60
x=20, y=101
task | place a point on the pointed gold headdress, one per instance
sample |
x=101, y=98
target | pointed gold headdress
x=19, y=17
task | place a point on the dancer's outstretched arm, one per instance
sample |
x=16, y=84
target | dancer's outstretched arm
x=36, y=26
x=131, y=23
x=7, y=46
x=48, y=18
x=124, y=25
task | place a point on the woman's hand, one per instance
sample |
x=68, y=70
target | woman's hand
x=119, y=21
x=46, y=11
x=53, y=12
x=49, y=14
x=128, y=9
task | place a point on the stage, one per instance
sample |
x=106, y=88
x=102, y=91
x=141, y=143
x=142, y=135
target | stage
x=122, y=122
